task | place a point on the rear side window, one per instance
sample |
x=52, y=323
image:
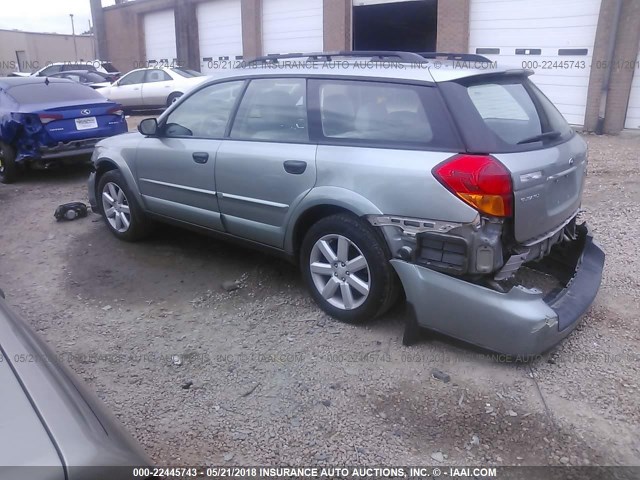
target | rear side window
x=377, y=113
x=54, y=92
x=157, y=76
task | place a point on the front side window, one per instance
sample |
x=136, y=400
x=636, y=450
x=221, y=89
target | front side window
x=365, y=112
x=273, y=110
x=132, y=78
x=205, y=114
x=157, y=76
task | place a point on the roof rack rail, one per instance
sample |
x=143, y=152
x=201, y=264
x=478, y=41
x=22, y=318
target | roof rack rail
x=406, y=57
x=468, y=57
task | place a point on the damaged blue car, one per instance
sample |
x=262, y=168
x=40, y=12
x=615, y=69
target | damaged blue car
x=45, y=121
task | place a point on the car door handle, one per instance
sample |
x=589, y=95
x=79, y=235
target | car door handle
x=295, y=167
x=200, y=157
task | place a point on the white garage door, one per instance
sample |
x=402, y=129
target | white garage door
x=554, y=38
x=220, y=33
x=292, y=26
x=633, y=110
x=160, y=36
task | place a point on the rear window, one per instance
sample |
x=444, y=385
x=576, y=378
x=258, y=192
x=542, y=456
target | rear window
x=109, y=67
x=517, y=113
x=54, y=92
x=187, y=73
x=381, y=114
x=94, y=77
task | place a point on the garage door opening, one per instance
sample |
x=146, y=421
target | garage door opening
x=384, y=25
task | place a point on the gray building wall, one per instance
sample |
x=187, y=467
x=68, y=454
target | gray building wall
x=41, y=49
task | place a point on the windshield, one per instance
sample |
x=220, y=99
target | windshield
x=187, y=73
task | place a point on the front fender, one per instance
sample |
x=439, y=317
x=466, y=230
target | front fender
x=105, y=155
x=327, y=196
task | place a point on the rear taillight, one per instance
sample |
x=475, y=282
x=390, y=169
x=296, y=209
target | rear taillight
x=49, y=117
x=480, y=180
x=116, y=111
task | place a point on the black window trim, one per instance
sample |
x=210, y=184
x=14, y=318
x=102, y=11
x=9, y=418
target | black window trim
x=310, y=118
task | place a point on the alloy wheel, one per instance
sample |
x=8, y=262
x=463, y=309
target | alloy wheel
x=116, y=207
x=340, y=272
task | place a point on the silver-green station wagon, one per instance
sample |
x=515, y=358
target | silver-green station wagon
x=381, y=174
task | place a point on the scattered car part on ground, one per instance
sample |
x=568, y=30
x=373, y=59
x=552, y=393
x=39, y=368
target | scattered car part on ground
x=47, y=121
x=362, y=172
x=148, y=88
x=53, y=426
x=71, y=211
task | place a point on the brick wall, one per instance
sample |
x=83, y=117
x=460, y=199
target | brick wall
x=626, y=50
x=337, y=25
x=453, y=26
x=251, y=28
x=624, y=68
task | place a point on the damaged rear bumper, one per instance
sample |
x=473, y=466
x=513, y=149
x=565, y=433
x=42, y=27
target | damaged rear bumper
x=521, y=322
x=59, y=150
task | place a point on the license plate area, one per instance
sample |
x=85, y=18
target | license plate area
x=86, y=123
x=563, y=190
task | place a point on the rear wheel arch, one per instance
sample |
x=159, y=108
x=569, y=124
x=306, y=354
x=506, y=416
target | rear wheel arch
x=310, y=217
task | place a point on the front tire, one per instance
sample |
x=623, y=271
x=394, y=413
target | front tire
x=8, y=167
x=120, y=210
x=345, y=265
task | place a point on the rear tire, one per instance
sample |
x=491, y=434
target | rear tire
x=8, y=167
x=345, y=265
x=121, y=212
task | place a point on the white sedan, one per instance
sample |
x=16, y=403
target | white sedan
x=151, y=87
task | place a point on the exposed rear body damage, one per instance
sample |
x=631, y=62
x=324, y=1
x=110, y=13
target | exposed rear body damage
x=46, y=120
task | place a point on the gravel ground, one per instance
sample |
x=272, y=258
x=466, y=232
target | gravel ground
x=259, y=375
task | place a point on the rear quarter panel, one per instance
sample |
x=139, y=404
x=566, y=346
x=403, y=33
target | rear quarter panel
x=394, y=182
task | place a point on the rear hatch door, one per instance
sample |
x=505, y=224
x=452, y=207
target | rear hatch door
x=547, y=186
x=506, y=115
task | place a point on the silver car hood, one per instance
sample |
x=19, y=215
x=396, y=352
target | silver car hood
x=24, y=440
x=83, y=432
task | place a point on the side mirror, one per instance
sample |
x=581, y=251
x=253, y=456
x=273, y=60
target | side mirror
x=148, y=127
